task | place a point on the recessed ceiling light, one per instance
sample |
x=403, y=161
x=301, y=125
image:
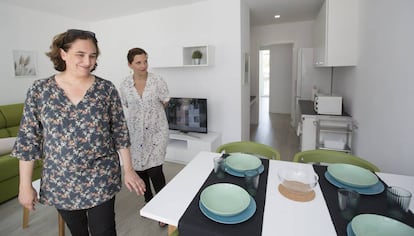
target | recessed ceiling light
x=277, y=16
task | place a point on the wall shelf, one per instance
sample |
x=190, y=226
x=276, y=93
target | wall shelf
x=187, y=56
x=179, y=57
x=337, y=132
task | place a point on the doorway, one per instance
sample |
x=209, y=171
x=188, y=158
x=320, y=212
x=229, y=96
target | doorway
x=275, y=76
x=264, y=72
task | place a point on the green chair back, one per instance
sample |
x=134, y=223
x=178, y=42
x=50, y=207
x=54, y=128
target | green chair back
x=250, y=148
x=174, y=233
x=328, y=156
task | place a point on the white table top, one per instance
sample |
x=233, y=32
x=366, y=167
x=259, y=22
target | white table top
x=293, y=218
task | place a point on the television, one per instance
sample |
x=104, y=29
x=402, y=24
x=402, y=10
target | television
x=187, y=114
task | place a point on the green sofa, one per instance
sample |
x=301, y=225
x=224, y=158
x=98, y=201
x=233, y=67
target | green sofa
x=10, y=116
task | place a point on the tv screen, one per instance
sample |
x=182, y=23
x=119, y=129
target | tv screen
x=187, y=114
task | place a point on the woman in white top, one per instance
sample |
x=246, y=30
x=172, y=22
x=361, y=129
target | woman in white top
x=144, y=96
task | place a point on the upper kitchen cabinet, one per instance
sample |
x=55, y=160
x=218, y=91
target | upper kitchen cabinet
x=335, y=33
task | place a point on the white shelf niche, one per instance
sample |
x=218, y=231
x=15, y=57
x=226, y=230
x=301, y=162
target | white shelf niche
x=206, y=60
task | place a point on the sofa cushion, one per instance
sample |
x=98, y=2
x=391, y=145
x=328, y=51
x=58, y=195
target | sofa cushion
x=2, y=120
x=9, y=167
x=6, y=145
x=4, y=133
x=13, y=131
x=10, y=116
x=12, y=113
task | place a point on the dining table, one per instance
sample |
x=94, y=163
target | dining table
x=281, y=216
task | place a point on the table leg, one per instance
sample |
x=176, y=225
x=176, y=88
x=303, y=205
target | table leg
x=25, y=218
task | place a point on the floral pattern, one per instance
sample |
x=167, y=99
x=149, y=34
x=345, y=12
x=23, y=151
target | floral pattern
x=147, y=121
x=78, y=143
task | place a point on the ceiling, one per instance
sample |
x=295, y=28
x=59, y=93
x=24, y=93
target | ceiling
x=262, y=11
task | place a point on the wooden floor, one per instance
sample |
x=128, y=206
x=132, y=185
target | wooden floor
x=273, y=129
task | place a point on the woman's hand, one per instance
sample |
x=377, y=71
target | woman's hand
x=28, y=197
x=27, y=194
x=133, y=182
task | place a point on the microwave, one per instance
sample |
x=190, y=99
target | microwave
x=328, y=105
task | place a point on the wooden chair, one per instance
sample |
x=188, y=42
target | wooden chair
x=172, y=231
x=26, y=212
x=250, y=148
x=61, y=222
x=327, y=156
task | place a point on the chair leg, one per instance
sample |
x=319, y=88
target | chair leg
x=61, y=224
x=25, y=223
x=171, y=229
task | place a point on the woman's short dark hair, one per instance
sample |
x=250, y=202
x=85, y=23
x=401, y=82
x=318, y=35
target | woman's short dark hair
x=64, y=41
x=133, y=52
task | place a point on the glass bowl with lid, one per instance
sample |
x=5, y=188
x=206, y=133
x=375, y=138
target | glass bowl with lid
x=298, y=180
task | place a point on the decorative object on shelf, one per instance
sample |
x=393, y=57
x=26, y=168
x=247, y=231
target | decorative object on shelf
x=196, y=56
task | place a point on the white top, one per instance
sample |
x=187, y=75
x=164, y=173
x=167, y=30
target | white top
x=293, y=218
x=146, y=119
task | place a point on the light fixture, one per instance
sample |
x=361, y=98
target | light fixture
x=277, y=16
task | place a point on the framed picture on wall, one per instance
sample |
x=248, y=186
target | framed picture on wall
x=25, y=63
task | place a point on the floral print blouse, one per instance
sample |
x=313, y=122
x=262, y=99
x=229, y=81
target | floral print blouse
x=147, y=121
x=78, y=143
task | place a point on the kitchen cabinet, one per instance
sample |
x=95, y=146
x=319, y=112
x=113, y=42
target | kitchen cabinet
x=335, y=34
x=307, y=132
x=180, y=56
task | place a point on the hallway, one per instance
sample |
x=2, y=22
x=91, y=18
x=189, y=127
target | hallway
x=275, y=130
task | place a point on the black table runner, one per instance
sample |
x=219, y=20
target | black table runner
x=194, y=222
x=368, y=204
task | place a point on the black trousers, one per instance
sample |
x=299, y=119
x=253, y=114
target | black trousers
x=156, y=175
x=98, y=221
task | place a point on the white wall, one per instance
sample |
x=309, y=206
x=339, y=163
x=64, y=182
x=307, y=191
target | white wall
x=28, y=30
x=245, y=62
x=379, y=91
x=212, y=22
x=298, y=33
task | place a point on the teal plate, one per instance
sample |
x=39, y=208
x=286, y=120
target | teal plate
x=225, y=199
x=371, y=190
x=351, y=175
x=349, y=231
x=239, y=218
x=241, y=174
x=241, y=162
x=371, y=224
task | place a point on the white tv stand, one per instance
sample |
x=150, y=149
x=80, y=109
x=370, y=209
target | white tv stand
x=183, y=147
